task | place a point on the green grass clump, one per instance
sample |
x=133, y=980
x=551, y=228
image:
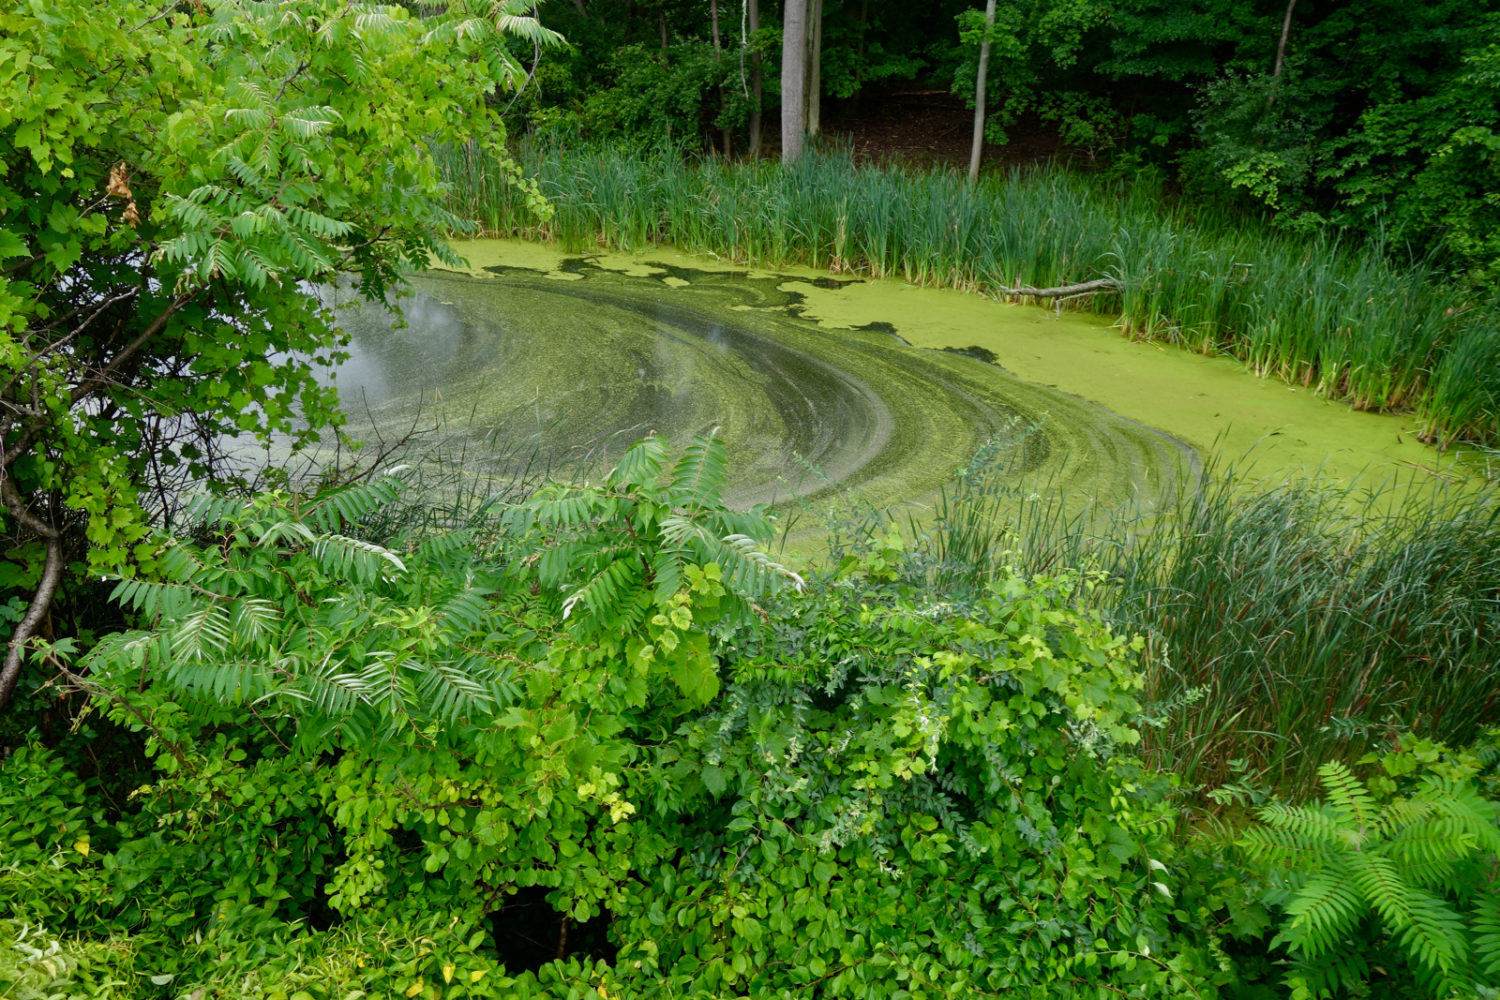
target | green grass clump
x=1345, y=320
x=1315, y=621
x=1285, y=624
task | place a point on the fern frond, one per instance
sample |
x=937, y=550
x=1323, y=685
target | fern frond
x=570, y=510
x=1464, y=805
x=203, y=634
x=1348, y=795
x=254, y=619
x=230, y=682
x=1312, y=824
x=335, y=510
x=350, y=558
x=465, y=611
x=153, y=600
x=329, y=689
x=641, y=465
x=699, y=476
x=1424, y=924
x=606, y=589
x=213, y=511
x=1427, y=852
x=1486, y=923
x=749, y=552
x=1323, y=911
x=435, y=548
x=386, y=687
x=283, y=530
x=450, y=692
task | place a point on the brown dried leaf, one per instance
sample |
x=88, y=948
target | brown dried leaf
x=131, y=216
x=117, y=187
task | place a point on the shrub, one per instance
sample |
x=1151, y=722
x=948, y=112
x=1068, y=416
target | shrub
x=591, y=746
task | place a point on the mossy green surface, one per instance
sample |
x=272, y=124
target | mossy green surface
x=575, y=360
x=816, y=380
x=1210, y=403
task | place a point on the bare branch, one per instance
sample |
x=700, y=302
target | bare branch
x=41, y=602
x=102, y=377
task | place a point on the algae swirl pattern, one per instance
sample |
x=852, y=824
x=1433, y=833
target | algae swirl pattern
x=573, y=365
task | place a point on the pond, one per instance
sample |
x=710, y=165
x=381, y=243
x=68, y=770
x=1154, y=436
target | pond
x=817, y=382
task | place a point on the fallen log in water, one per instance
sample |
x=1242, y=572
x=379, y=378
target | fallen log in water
x=1065, y=293
x=1068, y=291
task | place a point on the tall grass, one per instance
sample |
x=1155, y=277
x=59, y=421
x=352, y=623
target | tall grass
x=1316, y=621
x=1343, y=319
x=1285, y=625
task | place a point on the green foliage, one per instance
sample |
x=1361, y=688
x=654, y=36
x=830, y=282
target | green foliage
x=374, y=762
x=634, y=538
x=1393, y=882
x=168, y=175
x=1281, y=620
x=660, y=97
x=1027, y=36
x=286, y=617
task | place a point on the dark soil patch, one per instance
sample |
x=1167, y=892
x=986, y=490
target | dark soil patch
x=924, y=128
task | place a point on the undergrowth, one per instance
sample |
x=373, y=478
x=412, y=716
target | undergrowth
x=1286, y=624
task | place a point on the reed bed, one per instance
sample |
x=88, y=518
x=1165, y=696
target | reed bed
x=1285, y=625
x=1302, y=622
x=1346, y=320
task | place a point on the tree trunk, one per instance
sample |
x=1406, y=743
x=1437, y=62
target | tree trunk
x=713, y=14
x=815, y=68
x=1286, y=30
x=979, y=82
x=661, y=20
x=793, y=80
x=1094, y=287
x=753, y=13
x=41, y=600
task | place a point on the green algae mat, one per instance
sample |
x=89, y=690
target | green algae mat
x=821, y=382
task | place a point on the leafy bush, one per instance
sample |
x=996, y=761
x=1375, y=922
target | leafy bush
x=660, y=98
x=593, y=745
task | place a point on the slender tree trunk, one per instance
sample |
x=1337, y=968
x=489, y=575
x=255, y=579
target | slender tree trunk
x=713, y=14
x=756, y=84
x=661, y=20
x=815, y=67
x=1286, y=30
x=793, y=80
x=979, y=82
x=41, y=600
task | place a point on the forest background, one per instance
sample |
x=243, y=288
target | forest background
x=564, y=741
x=1376, y=117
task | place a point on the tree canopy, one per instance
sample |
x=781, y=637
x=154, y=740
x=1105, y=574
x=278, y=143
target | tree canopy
x=169, y=174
